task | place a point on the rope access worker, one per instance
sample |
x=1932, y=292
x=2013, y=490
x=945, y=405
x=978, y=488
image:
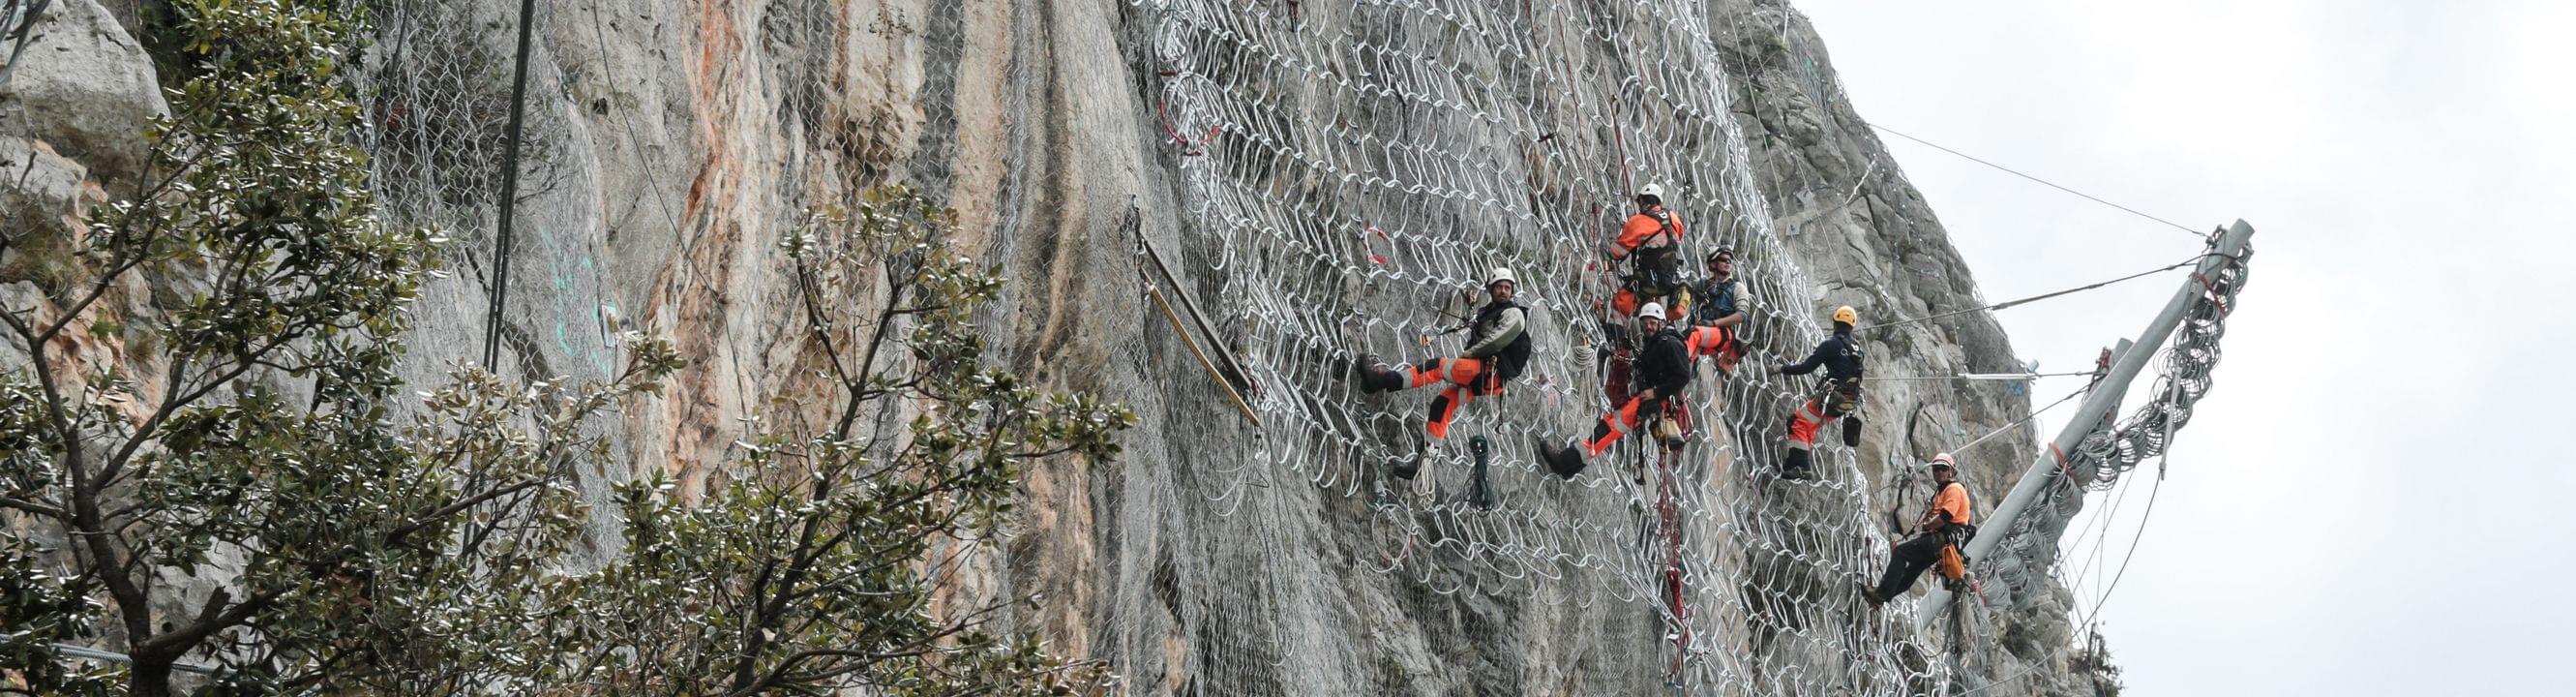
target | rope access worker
x=1938, y=537
x=1663, y=369
x=1835, y=396
x=1651, y=241
x=1498, y=347
x=1716, y=311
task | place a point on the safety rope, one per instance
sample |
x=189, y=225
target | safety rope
x=2044, y=296
x=2026, y=418
x=1977, y=376
x=2050, y=184
x=2143, y=518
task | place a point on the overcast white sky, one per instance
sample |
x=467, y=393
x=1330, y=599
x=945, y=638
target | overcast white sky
x=2374, y=499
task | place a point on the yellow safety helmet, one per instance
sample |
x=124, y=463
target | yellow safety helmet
x=1847, y=315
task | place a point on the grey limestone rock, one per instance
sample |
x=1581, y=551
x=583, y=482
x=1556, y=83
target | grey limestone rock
x=85, y=87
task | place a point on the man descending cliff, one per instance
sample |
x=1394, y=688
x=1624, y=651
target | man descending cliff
x=1835, y=396
x=1716, y=310
x=1498, y=347
x=1662, y=370
x=1938, y=537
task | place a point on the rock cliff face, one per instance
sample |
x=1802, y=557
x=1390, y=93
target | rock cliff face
x=1271, y=150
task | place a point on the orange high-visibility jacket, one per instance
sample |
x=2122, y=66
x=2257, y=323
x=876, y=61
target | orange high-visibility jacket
x=1954, y=499
x=1642, y=227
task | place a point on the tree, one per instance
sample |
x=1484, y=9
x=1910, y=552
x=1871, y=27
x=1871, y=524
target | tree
x=820, y=560
x=256, y=501
x=2092, y=664
x=244, y=488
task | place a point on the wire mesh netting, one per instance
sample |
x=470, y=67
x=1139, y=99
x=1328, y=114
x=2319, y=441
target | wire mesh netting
x=1353, y=172
x=1355, y=168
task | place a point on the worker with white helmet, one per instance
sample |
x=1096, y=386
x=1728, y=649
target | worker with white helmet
x=1498, y=347
x=1651, y=241
x=1663, y=369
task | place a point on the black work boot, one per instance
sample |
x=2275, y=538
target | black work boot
x=1796, y=465
x=1565, y=462
x=1374, y=378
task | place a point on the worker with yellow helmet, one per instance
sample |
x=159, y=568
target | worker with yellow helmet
x=1834, y=397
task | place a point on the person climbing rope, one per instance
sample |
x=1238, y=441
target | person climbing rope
x=1651, y=241
x=1834, y=397
x=1716, y=311
x=1498, y=347
x=1938, y=537
x=1662, y=370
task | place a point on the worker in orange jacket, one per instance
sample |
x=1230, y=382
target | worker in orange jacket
x=1941, y=532
x=1651, y=241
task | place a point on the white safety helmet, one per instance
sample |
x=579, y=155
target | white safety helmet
x=1943, y=461
x=1501, y=274
x=1651, y=189
x=1655, y=310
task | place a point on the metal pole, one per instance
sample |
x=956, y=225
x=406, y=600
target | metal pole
x=2106, y=396
x=509, y=195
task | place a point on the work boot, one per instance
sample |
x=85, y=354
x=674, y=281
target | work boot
x=1374, y=378
x=1795, y=465
x=1870, y=593
x=1565, y=462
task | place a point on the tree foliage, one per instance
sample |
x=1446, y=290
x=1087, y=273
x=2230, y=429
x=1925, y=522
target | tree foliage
x=259, y=504
x=259, y=498
x=822, y=558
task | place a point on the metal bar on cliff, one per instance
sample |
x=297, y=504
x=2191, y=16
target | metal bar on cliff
x=2089, y=417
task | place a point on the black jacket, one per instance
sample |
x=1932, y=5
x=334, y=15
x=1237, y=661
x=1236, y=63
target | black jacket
x=1664, y=366
x=1839, y=355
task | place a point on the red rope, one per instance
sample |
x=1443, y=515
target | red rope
x=2215, y=298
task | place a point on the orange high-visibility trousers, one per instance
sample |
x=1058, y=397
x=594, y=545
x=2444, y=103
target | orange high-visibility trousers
x=1615, y=424
x=1806, y=422
x=1462, y=375
x=1715, y=341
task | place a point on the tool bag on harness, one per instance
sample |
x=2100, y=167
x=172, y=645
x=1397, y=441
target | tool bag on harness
x=1658, y=270
x=1839, y=397
x=1954, y=555
x=1841, y=400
